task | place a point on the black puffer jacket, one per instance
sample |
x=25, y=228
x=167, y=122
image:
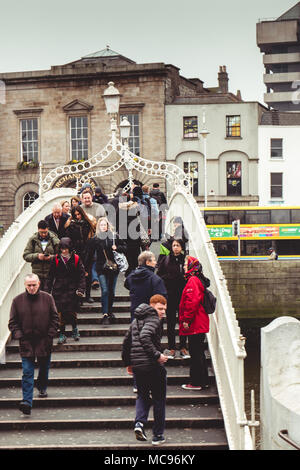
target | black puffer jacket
x=142, y=343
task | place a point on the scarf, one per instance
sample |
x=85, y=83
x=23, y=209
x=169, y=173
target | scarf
x=193, y=267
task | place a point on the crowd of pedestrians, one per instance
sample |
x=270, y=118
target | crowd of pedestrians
x=86, y=242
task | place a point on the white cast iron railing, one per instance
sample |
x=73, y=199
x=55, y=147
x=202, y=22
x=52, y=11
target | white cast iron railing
x=12, y=266
x=226, y=343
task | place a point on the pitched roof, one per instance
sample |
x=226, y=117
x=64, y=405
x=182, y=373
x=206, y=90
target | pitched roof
x=103, y=53
x=107, y=53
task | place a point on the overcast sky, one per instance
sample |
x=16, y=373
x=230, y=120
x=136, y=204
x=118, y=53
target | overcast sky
x=197, y=36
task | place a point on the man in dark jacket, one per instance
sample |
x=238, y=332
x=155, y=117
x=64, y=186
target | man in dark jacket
x=34, y=322
x=142, y=283
x=142, y=355
x=57, y=220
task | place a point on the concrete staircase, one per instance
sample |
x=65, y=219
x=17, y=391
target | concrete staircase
x=91, y=404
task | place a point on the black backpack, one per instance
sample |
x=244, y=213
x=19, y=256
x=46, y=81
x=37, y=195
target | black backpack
x=209, y=302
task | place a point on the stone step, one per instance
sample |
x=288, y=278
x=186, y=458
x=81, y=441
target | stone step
x=92, y=343
x=93, y=377
x=204, y=438
x=107, y=417
x=97, y=307
x=84, y=359
x=89, y=395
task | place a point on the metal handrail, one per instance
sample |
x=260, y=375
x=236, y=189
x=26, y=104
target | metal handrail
x=283, y=434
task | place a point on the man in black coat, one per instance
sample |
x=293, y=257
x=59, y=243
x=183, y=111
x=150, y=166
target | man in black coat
x=57, y=220
x=142, y=355
x=142, y=283
x=34, y=322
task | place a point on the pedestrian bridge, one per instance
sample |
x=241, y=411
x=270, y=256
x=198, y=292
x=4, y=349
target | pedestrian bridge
x=226, y=344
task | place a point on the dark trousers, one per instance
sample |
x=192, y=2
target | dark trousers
x=198, y=364
x=174, y=297
x=154, y=381
x=133, y=251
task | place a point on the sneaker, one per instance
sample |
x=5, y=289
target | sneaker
x=95, y=285
x=157, y=440
x=43, y=394
x=62, y=339
x=139, y=432
x=75, y=334
x=170, y=353
x=25, y=408
x=104, y=319
x=191, y=387
x=111, y=318
x=89, y=300
x=184, y=354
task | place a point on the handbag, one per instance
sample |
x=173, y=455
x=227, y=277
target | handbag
x=120, y=260
x=145, y=240
x=110, y=266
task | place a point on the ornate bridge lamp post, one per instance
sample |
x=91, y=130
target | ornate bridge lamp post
x=111, y=98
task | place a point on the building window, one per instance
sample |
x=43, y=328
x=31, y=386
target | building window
x=29, y=198
x=29, y=140
x=190, y=127
x=191, y=168
x=276, y=185
x=276, y=148
x=79, y=138
x=234, y=178
x=233, y=126
x=134, y=139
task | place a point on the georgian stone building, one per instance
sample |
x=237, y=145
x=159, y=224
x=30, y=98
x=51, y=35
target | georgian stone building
x=58, y=115
x=52, y=117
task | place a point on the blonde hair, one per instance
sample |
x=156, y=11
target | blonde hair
x=109, y=225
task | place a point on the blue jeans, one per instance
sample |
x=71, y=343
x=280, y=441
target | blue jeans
x=108, y=286
x=28, y=376
x=154, y=381
x=94, y=272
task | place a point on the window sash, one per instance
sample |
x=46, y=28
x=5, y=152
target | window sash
x=190, y=127
x=29, y=140
x=134, y=138
x=79, y=147
x=276, y=185
x=233, y=126
x=276, y=148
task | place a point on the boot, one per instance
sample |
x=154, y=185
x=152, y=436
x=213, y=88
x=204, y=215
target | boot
x=75, y=334
x=62, y=338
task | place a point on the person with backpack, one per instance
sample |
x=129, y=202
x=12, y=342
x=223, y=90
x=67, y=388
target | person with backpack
x=66, y=283
x=194, y=322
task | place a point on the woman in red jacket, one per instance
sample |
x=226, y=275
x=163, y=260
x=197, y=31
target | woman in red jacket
x=194, y=322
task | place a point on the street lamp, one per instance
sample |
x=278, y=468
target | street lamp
x=125, y=128
x=111, y=98
x=204, y=134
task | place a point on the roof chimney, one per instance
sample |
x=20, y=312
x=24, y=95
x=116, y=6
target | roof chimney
x=223, y=79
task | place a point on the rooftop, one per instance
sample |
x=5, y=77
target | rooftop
x=277, y=118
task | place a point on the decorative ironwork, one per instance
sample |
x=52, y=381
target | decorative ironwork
x=172, y=173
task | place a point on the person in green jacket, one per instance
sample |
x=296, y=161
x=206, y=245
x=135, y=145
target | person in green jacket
x=40, y=250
